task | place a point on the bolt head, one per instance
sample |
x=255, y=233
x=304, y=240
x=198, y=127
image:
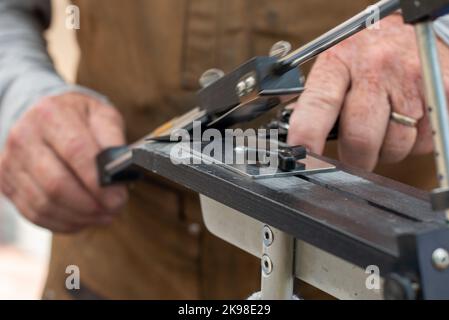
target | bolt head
x=280, y=49
x=211, y=76
x=440, y=259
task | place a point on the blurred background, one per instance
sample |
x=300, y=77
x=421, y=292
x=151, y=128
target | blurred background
x=25, y=248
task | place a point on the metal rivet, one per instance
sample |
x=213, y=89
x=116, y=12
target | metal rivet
x=267, y=236
x=267, y=265
x=440, y=259
x=280, y=49
x=211, y=76
x=241, y=88
x=250, y=84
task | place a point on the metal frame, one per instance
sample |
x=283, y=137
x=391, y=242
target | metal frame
x=436, y=100
x=316, y=267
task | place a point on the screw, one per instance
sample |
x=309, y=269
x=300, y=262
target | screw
x=280, y=49
x=210, y=76
x=267, y=265
x=267, y=236
x=440, y=258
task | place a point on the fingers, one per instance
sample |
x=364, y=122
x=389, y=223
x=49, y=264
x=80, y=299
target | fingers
x=61, y=186
x=424, y=144
x=48, y=166
x=67, y=132
x=400, y=139
x=318, y=108
x=44, y=190
x=29, y=199
x=363, y=124
x=398, y=143
x=42, y=212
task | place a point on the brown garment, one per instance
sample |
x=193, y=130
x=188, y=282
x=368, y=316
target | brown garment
x=147, y=56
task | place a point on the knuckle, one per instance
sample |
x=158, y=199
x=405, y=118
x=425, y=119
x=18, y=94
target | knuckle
x=333, y=54
x=53, y=186
x=15, y=138
x=381, y=57
x=45, y=109
x=113, y=116
x=327, y=101
x=45, y=106
x=43, y=208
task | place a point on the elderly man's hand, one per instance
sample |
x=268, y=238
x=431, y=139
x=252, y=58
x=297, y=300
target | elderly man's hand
x=362, y=81
x=48, y=166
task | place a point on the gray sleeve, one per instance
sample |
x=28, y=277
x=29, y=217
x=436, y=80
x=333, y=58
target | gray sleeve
x=441, y=27
x=26, y=70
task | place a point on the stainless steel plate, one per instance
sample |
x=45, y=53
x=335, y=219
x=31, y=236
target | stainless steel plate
x=253, y=169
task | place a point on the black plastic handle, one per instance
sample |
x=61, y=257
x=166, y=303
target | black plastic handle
x=122, y=172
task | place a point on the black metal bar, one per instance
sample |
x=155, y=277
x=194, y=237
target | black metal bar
x=357, y=227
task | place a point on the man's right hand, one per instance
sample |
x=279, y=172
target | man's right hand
x=48, y=167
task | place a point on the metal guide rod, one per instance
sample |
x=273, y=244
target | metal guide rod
x=436, y=99
x=358, y=23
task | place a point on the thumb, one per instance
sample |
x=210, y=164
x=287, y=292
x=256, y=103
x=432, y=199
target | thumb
x=318, y=108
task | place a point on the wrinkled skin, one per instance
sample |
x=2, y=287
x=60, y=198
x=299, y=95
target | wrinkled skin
x=362, y=81
x=48, y=167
